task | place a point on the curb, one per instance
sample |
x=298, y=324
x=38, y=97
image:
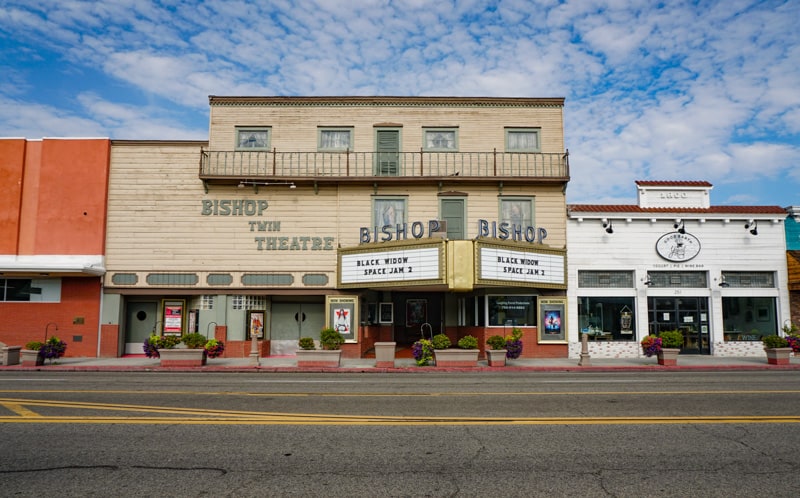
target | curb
x=410, y=370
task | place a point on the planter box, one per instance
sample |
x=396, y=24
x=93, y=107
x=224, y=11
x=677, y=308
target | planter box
x=456, y=357
x=182, y=357
x=318, y=358
x=31, y=358
x=668, y=356
x=11, y=355
x=384, y=354
x=497, y=357
x=778, y=356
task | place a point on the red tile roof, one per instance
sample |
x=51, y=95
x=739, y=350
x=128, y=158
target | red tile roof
x=633, y=209
x=673, y=183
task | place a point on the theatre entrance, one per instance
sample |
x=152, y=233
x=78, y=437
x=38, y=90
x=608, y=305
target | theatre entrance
x=415, y=313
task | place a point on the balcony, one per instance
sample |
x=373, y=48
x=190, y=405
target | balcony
x=232, y=167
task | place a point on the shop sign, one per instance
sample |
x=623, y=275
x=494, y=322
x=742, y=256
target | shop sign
x=678, y=247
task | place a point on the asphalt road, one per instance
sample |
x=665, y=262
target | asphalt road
x=456, y=434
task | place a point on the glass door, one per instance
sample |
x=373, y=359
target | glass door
x=689, y=315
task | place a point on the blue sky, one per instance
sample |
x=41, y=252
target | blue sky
x=671, y=90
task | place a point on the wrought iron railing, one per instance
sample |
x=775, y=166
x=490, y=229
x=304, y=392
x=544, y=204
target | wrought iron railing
x=346, y=164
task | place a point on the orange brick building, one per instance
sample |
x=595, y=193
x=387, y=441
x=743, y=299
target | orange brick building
x=52, y=241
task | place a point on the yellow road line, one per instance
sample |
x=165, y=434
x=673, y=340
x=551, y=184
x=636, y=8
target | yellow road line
x=654, y=392
x=19, y=409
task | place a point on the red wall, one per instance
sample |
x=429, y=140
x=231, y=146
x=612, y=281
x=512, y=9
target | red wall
x=80, y=297
x=53, y=196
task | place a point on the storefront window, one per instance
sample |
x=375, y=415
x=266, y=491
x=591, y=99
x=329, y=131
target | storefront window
x=511, y=311
x=607, y=318
x=748, y=318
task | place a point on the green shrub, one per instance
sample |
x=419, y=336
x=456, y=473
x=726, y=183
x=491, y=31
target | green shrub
x=468, y=342
x=496, y=342
x=34, y=345
x=671, y=339
x=774, y=341
x=330, y=339
x=306, y=343
x=441, y=341
x=194, y=340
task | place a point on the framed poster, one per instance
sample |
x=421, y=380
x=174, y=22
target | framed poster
x=552, y=320
x=173, y=311
x=386, y=313
x=341, y=316
x=416, y=312
x=255, y=323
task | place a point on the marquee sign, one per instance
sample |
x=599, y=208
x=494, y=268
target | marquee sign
x=420, y=264
x=512, y=265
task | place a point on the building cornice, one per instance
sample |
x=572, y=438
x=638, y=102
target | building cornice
x=386, y=101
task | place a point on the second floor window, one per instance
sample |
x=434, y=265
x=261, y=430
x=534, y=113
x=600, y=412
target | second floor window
x=252, y=138
x=335, y=139
x=522, y=140
x=441, y=139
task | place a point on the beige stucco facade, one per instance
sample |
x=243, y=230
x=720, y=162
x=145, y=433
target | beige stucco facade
x=216, y=231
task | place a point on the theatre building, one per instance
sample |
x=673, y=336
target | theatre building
x=388, y=218
x=674, y=261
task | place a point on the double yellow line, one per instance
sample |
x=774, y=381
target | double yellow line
x=24, y=410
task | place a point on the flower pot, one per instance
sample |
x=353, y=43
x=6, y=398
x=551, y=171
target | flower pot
x=31, y=358
x=497, y=357
x=778, y=356
x=318, y=357
x=11, y=355
x=668, y=356
x=182, y=357
x=384, y=354
x=456, y=357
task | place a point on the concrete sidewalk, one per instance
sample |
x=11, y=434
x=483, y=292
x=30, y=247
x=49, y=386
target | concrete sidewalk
x=367, y=365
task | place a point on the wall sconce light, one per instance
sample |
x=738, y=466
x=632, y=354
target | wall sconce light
x=679, y=226
x=648, y=281
x=722, y=282
x=753, y=226
x=255, y=185
x=607, y=225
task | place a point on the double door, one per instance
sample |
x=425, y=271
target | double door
x=689, y=315
x=291, y=321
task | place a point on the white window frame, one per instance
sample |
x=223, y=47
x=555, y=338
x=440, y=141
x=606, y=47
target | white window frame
x=508, y=203
x=380, y=210
x=244, y=130
x=338, y=129
x=512, y=147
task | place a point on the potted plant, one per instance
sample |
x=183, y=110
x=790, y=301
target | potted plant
x=214, y=348
x=777, y=349
x=792, y=334
x=497, y=351
x=30, y=354
x=514, y=344
x=155, y=342
x=422, y=351
x=651, y=345
x=466, y=355
x=671, y=342
x=52, y=349
x=329, y=355
x=192, y=354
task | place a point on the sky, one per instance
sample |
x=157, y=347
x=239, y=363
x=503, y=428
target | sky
x=654, y=90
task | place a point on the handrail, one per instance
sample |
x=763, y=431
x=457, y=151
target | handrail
x=348, y=164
